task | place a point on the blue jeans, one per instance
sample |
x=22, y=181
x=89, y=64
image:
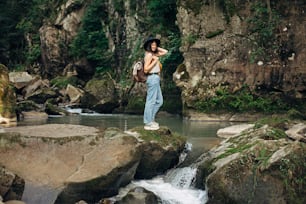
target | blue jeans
x=154, y=98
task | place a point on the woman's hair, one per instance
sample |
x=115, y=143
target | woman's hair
x=148, y=48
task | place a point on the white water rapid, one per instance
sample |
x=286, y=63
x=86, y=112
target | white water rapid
x=175, y=187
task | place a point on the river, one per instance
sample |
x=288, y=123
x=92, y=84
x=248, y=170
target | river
x=174, y=187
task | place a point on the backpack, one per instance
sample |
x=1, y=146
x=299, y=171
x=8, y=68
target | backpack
x=138, y=72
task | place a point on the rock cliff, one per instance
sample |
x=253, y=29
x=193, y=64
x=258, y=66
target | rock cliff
x=224, y=47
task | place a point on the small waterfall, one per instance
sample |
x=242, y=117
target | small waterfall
x=176, y=187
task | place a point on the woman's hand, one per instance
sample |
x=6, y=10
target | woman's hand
x=155, y=58
x=150, y=61
x=161, y=51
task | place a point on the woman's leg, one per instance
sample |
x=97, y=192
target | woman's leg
x=158, y=102
x=154, y=98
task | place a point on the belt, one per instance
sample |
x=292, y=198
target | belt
x=153, y=73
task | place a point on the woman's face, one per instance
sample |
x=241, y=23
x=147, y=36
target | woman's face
x=153, y=46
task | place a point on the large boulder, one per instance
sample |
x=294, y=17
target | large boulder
x=7, y=98
x=259, y=165
x=100, y=95
x=158, y=156
x=20, y=79
x=82, y=162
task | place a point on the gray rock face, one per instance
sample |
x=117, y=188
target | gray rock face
x=217, y=51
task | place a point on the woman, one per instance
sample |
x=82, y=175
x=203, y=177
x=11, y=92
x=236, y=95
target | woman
x=152, y=68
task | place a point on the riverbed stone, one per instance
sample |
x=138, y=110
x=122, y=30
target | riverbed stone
x=20, y=79
x=85, y=163
x=100, y=95
x=139, y=195
x=11, y=185
x=233, y=130
x=260, y=165
x=297, y=132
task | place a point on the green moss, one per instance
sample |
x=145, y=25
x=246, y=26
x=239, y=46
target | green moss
x=163, y=136
x=295, y=114
x=214, y=33
x=62, y=82
x=274, y=134
x=274, y=121
x=190, y=39
x=292, y=170
x=233, y=150
x=8, y=139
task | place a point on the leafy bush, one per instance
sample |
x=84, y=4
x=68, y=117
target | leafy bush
x=62, y=82
x=241, y=101
x=91, y=42
x=262, y=24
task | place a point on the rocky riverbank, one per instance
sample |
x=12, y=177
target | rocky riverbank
x=257, y=163
x=84, y=163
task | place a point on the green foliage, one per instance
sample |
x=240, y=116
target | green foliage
x=194, y=5
x=191, y=39
x=20, y=18
x=11, y=39
x=162, y=16
x=33, y=53
x=229, y=9
x=62, y=82
x=262, y=24
x=119, y=6
x=276, y=122
x=241, y=101
x=91, y=42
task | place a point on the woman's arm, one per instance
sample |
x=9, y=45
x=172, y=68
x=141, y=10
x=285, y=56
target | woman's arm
x=161, y=51
x=149, y=62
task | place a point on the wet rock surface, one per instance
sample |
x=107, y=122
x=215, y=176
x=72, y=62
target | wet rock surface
x=85, y=163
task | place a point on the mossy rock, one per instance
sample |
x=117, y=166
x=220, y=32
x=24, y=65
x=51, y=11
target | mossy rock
x=135, y=105
x=7, y=95
x=161, y=150
x=162, y=136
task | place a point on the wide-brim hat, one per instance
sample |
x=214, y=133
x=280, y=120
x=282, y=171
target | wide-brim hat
x=151, y=39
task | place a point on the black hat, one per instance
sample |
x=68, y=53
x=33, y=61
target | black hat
x=150, y=39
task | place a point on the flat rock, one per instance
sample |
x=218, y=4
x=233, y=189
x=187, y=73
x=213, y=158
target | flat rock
x=297, y=132
x=55, y=154
x=233, y=130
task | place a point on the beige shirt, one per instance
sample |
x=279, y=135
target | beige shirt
x=156, y=68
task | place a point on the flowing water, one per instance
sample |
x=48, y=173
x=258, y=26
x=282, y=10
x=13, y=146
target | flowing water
x=174, y=187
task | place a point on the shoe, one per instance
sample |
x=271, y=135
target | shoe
x=155, y=124
x=151, y=126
